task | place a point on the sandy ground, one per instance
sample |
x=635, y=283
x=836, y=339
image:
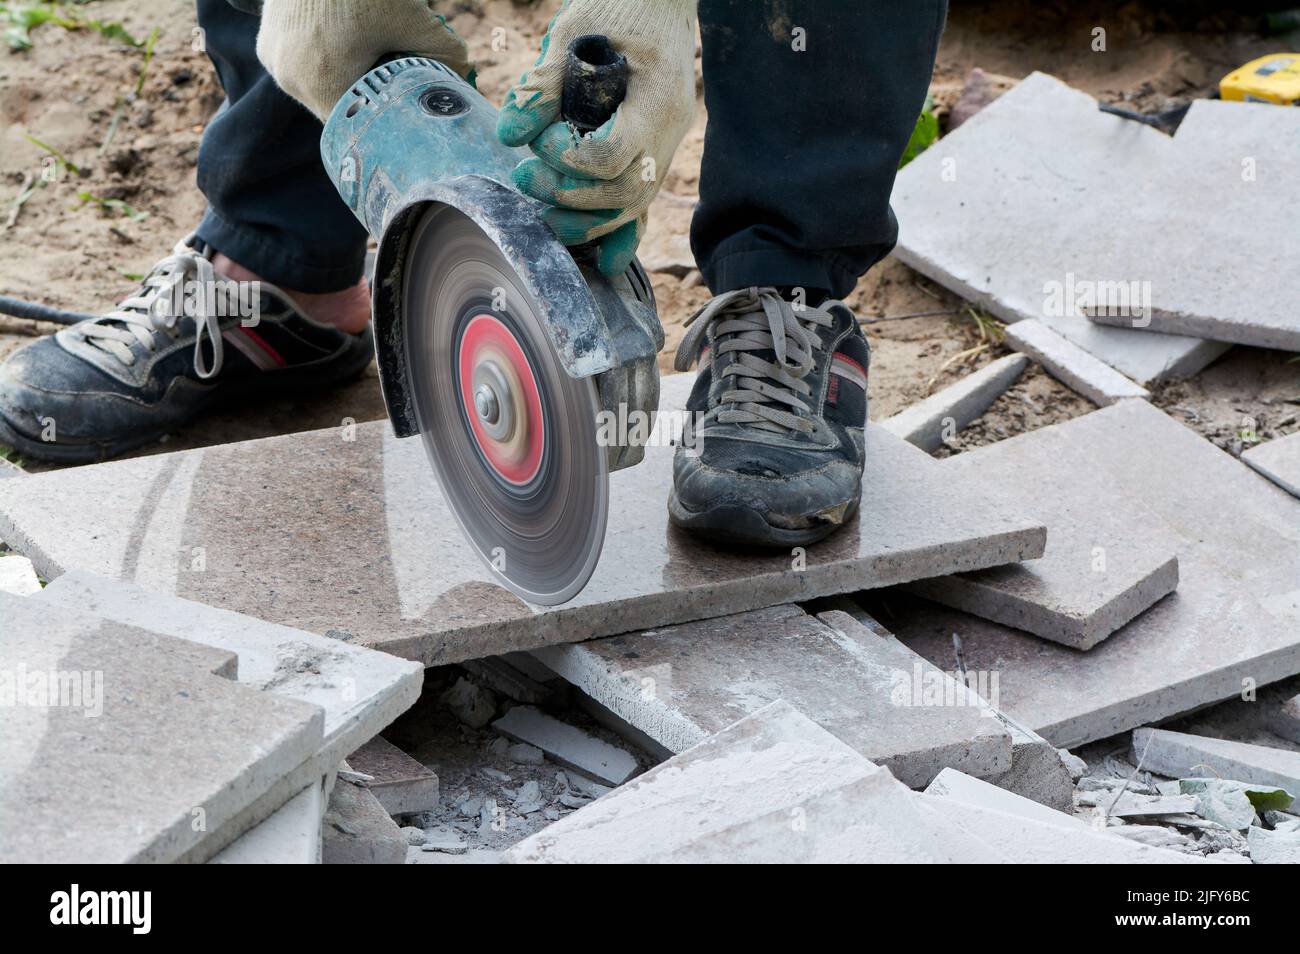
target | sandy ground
x=67, y=90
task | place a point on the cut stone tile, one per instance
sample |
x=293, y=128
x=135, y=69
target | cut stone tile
x=360, y=691
x=567, y=745
x=357, y=830
x=1179, y=755
x=773, y=760
x=1234, y=621
x=146, y=728
x=962, y=788
x=403, y=785
x=1279, y=461
x=682, y=684
x=18, y=576
x=353, y=540
x=1234, y=183
x=1134, y=805
x=291, y=836
x=1067, y=362
x=927, y=423
x=1075, y=172
x=1108, y=556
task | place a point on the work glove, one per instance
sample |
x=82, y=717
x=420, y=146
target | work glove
x=316, y=49
x=600, y=185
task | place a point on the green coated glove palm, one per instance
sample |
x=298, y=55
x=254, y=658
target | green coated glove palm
x=600, y=185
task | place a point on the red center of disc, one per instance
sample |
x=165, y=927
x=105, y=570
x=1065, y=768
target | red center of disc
x=518, y=458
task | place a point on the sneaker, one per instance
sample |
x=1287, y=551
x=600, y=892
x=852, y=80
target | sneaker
x=187, y=341
x=773, y=453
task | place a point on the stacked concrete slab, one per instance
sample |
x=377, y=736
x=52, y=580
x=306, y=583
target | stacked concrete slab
x=1017, y=211
x=1231, y=177
x=1234, y=621
x=123, y=745
x=775, y=787
x=349, y=692
x=1108, y=558
x=681, y=684
x=348, y=535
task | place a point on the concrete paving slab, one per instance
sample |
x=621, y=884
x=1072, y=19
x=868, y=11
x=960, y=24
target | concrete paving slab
x=1109, y=557
x=351, y=538
x=361, y=691
x=18, y=576
x=1179, y=755
x=403, y=785
x=773, y=760
x=1238, y=185
x=10, y=470
x=106, y=724
x=1067, y=362
x=1075, y=171
x=567, y=745
x=1279, y=461
x=681, y=684
x=291, y=836
x=1233, y=623
x=928, y=423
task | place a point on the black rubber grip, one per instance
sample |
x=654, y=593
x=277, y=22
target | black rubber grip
x=595, y=82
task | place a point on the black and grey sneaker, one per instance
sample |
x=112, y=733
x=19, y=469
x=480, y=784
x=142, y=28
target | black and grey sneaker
x=187, y=341
x=775, y=453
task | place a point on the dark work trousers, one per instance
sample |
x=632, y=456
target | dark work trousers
x=810, y=102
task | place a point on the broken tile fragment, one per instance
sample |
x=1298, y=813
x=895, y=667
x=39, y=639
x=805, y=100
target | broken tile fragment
x=1179, y=755
x=403, y=785
x=567, y=745
x=357, y=830
x=1068, y=363
x=105, y=722
x=18, y=576
x=1027, y=259
x=681, y=684
x=930, y=422
x=1108, y=556
x=1224, y=178
x=1234, y=616
x=357, y=543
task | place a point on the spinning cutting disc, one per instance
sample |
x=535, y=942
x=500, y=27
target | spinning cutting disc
x=510, y=435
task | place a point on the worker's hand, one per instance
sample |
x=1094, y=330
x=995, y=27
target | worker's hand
x=316, y=49
x=601, y=184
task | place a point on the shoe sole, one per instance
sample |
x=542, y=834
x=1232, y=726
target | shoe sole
x=744, y=526
x=293, y=380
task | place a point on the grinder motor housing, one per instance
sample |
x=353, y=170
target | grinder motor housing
x=411, y=135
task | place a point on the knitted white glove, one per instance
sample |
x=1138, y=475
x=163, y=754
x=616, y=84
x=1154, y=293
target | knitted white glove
x=602, y=184
x=316, y=49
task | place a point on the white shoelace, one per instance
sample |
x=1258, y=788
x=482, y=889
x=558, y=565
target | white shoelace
x=140, y=318
x=758, y=319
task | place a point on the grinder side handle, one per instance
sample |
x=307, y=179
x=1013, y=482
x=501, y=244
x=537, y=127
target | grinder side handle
x=595, y=82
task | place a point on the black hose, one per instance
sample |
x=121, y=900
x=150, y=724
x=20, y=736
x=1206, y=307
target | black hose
x=17, y=308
